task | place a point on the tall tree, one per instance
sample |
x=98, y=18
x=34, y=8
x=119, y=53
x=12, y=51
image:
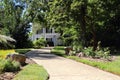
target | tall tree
x=90, y=18
x=18, y=15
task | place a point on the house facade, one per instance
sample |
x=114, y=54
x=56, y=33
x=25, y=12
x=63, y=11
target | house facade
x=49, y=35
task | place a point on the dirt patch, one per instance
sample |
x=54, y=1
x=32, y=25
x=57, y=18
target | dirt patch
x=7, y=75
x=11, y=75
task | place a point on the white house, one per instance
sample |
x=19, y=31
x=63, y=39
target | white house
x=48, y=34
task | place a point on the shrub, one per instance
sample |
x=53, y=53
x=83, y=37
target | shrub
x=104, y=53
x=2, y=65
x=16, y=66
x=89, y=52
x=9, y=65
x=99, y=53
x=39, y=43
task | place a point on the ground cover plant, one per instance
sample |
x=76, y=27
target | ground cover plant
x=7, y=65
x=110, y=66
x=3, y=53
x=32, y=72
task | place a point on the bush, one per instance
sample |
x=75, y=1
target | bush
x=2, y=65
x=9, y=65
x=39, y=43
x=104, y=53
x=89, y=52
x=99, y=53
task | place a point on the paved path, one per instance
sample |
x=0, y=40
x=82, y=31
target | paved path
x=60, y=68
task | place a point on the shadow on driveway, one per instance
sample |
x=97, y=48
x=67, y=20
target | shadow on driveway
x=42, y=54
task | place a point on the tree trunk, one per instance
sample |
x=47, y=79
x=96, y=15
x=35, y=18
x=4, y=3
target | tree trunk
x=83, y=24
x=94, y=39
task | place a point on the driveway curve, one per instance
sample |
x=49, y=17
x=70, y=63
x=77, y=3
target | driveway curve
x=61, y=68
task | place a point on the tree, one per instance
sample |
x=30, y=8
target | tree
x=18, y=15
x=88, y=18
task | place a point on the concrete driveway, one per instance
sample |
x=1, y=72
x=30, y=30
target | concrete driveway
x=61, y=68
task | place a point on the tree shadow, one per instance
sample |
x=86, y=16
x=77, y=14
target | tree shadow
x=38, y=54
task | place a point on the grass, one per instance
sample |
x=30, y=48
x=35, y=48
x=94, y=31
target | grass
x=3, y=53
x=22, y=51
x=113, y=67
x=32, y=72
x=59, y=50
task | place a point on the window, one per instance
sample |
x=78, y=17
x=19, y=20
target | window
x=48, y=30
x=49, y=39
x=39, y=31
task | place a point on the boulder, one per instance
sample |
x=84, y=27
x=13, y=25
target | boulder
x=67, y=50
x=17, y=57
x=80, y=54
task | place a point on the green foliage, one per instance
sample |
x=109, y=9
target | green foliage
x=112, y=67
x=88, y=18
x=89, y=52
x=15, y=19
x=99, y=53
x=22, y=51
x=4, y=53
x=81, y=20
x=32, y=72
x=6, y=42
x=105, y=53
x=59, y=50
x=39, y=43
x=77, y=47
x=9, y=65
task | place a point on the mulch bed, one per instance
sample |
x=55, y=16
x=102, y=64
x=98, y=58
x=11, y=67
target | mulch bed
x=101, y=59
x=11, y=75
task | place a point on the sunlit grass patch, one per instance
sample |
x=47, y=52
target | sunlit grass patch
x=3, y=53
x=22, y=51
x=32, y=72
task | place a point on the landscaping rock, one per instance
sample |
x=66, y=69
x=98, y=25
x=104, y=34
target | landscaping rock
x=17, y=57
x=80, y=54
x=67, y=50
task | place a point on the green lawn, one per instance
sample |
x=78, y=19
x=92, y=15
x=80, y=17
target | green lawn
x=3, y=53
x=113, y=67
x=32, y=72
x=22, y=51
